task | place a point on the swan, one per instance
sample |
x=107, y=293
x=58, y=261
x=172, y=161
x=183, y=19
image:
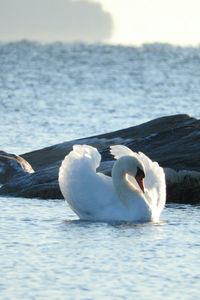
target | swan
x=136, y=192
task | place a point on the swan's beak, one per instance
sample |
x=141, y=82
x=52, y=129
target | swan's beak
x=140, y=181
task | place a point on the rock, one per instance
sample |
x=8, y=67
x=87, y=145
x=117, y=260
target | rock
x=41, y=184
x=12, y=165
x=183, y=186
x=173, y=141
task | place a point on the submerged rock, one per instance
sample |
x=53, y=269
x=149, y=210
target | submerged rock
x=12, y=165
x=173, y=141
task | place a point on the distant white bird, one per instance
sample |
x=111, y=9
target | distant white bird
x=136, y=191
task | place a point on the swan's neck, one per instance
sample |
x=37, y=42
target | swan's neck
x=130, y=195
x=125, y=189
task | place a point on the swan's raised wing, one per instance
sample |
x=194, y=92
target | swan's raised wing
x=89, y=153
x=87, y=192
x=120, y=150
x=154, y=182
x=81, y=160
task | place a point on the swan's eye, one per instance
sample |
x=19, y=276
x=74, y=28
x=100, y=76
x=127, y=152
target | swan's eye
x=140, y=173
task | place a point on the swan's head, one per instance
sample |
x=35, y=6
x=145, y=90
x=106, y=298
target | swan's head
x=139, y=177
x=130, y=165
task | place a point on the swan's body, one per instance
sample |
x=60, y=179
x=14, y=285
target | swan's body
x=97, y=197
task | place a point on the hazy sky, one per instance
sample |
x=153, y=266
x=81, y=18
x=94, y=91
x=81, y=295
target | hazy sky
x=118, y=21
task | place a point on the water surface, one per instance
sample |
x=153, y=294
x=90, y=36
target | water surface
x=59, y=92
x=47, y=253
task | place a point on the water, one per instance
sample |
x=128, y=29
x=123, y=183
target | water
x=46, y=253
x=57, y=92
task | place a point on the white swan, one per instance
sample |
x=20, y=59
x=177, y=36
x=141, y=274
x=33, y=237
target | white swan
x=123, y=197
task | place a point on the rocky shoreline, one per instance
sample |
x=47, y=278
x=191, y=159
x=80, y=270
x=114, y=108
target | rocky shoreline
x=173, y=141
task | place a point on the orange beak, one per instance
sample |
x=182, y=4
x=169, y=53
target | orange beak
x=140, y=181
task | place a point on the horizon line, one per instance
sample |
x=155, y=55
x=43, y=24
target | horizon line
x=108, y=43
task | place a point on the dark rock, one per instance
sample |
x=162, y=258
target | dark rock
x=173, y=141
x=36, y=185
x=183, y=186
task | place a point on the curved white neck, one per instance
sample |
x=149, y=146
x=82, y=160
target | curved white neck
x=124, y=188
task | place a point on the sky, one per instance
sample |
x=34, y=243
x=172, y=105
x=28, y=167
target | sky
x=132, y=22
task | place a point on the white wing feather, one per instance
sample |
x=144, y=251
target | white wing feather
x=120, y=150
x=88, y=152
x=81, y=186
x=154, y=182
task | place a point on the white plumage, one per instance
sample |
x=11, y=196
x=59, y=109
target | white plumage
x=97, y=197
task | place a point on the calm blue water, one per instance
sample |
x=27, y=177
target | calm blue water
x=53, y=93
x=47, y=254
